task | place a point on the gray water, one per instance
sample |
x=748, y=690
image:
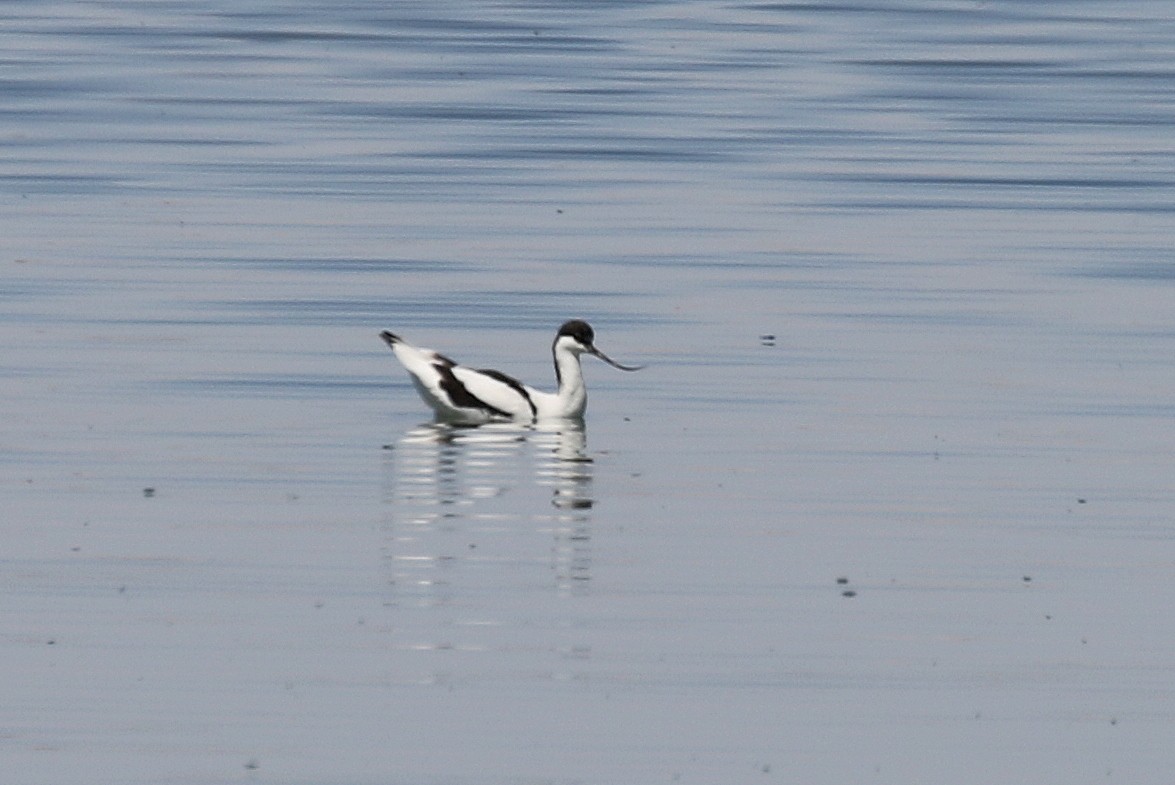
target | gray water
x=894, y=501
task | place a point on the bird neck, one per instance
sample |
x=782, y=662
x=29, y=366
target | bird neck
x=569, y=375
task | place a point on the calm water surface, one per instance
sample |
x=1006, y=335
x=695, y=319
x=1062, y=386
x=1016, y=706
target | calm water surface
x=894, y=501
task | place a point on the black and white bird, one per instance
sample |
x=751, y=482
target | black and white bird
x=463, y=395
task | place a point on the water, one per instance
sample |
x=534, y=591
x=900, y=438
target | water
x=234, y=552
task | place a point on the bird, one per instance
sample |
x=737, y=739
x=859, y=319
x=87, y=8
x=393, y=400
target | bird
x=462, y=395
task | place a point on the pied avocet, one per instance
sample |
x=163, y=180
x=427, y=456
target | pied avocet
x=459, y=394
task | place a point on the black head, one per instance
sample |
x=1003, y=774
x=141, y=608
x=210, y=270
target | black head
x=580, y=330
x=582, y=333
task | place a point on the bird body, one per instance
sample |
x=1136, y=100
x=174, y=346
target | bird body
x=459, y=394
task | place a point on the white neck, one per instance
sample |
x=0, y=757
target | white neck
x=572, y=391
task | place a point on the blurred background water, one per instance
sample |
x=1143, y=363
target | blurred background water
x=892, y=503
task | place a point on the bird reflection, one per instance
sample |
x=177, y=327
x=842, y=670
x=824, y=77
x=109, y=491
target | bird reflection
x=472, y=508
x=567, y=469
